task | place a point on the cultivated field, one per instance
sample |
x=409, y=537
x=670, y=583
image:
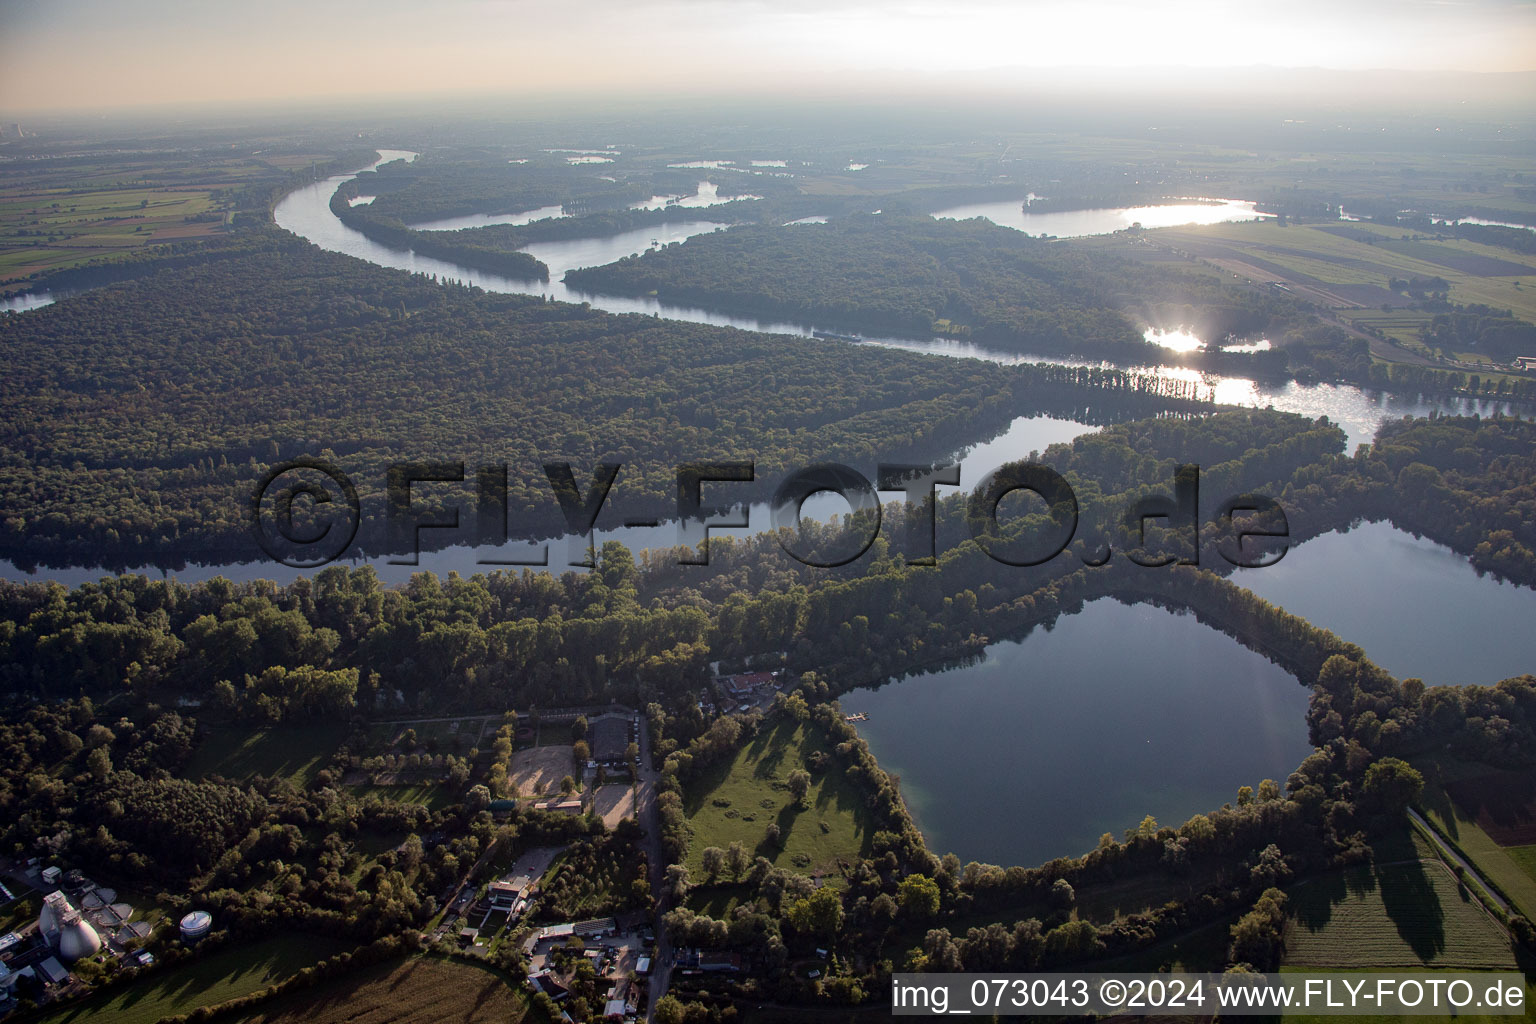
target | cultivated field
x=56, y=214
x=1490, y=815
x=736, y=802
x=226, y=974
x=1411, y=914
x=419, y=991
x=1524, y=858
x=1349, y=264
x=1503, y=804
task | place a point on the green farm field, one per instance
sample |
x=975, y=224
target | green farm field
x=226, y=974
x=417, y=991
x=55, y=215
x=736, y=802
x=1322, y=256
x=1524, y=858
x=1461, y=799
x=1402, y=914
x=60, y=228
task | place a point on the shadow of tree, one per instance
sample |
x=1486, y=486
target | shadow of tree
x=1414, y=907
x=787, y=816
x=1436, y=800
x=777, y=743
x=1312, y=904
x=1504, y=803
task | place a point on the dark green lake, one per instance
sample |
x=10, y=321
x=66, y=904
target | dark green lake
x=1115, y=713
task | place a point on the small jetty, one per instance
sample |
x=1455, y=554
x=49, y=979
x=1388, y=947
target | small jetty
x=861, y=716
x=834, y=336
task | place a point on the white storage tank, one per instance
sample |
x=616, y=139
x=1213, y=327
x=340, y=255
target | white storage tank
x=78, y=940
x=66, y=931
x=196, y=926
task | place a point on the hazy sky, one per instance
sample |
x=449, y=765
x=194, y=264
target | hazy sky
x=58, y=54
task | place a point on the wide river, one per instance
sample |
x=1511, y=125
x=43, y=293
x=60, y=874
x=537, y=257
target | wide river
x=1049, y=742
x=307, y=213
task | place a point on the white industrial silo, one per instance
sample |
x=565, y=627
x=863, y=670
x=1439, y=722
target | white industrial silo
x=66, y=931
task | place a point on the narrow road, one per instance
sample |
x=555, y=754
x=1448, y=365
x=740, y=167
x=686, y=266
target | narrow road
x=649, y=816
x=1456, y=858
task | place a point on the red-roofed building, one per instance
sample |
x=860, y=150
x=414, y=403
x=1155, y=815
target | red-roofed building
x=747, y=683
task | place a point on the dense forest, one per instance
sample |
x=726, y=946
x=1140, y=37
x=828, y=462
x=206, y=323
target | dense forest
x=617, y=632
x=443, y=245
x=974, y=280
x=140, y=417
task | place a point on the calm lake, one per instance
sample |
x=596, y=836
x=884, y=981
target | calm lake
x=1049, y=742
x=1078, y=223
x=24, y=301
x=1416, y=607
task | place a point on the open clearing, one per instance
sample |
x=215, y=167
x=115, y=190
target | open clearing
x=295, y=753
x=736, y=802
x=438, y=735
x=430, y=795
x=225, y=974
x=539, y=769
x=614, y=803
x=418, y=991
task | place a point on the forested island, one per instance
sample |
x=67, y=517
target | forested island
x=919, y=276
